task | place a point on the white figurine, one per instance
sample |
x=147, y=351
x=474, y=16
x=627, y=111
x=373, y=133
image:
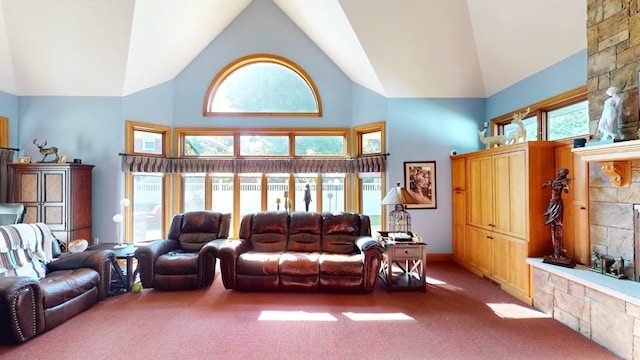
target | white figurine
x=611, y=114
x=491, y=141
x=519, y=134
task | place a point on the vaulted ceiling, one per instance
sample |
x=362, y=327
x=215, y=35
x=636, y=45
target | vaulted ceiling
x=401, y=48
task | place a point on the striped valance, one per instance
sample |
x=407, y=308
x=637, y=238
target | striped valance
x=153, y=164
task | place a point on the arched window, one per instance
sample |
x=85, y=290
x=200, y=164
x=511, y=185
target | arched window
x=262, y=85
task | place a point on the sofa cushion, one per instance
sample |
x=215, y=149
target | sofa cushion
x=341, y=264
x=304, y=232
x=62, y=285
x=258, y=263
x=269, y=231
x=299, y=264
x=25, y=249
x=198, y=228
x=177, y=263
x=339, y=232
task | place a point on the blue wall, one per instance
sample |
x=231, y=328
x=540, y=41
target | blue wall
x=566, y=75
x=92, y=128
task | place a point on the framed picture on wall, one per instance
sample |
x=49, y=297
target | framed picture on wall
x=420, y=181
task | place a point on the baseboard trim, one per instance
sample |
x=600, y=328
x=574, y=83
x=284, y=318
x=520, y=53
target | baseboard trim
x=439, y=257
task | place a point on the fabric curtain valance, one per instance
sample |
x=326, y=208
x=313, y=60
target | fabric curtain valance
x=154, y=164
x=6, y=157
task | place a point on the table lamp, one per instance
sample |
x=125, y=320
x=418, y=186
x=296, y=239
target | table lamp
x=399, y=218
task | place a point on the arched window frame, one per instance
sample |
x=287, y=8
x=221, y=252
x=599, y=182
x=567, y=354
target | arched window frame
x=252, y=59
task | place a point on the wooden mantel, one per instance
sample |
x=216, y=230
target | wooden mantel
x=615, y=159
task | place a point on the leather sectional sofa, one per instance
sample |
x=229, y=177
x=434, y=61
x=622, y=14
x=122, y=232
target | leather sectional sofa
x=39, y=287
x=302, y=251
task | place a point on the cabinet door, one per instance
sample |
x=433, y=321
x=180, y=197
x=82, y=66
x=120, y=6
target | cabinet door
x=459, y=204
x=501, y=259
x=519, y=274
x=480, y=192
x=510, y=191
x=458, y=174
x=28, y=193
x=53, y=199
x=480, y=249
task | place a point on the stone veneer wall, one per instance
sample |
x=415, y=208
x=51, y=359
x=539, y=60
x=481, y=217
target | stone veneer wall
x=611, y=215
x=613, y=48
x=608, y=320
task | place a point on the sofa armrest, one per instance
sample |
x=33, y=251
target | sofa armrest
x=21, y=313
x=207, y=257
x=99, y=260
x=372, y=260
x=228, y=255
x=147, y=256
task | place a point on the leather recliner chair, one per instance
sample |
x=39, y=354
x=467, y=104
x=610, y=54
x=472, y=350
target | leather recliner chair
x=187, y=259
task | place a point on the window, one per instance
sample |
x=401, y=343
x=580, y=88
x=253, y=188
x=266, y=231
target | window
x=561, y=117
x=250, y=191
x=262, y=84
x=147, y=215
x=370, y=186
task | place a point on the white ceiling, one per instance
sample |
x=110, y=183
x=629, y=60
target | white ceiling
x=401, y=48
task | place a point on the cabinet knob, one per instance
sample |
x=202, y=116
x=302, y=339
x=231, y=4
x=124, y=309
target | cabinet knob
x=583, y=208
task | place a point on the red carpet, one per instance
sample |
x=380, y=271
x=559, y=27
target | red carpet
x=451, y=321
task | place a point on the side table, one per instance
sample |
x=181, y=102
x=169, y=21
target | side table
x=125, y=277
x=403, y=265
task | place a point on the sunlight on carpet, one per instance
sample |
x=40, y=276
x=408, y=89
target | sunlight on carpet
x=377, y=316
x=513, y=311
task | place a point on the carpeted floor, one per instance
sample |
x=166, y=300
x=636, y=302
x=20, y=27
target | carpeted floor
x=460, y=317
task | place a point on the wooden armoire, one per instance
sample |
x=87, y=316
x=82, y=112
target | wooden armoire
x=58, y=195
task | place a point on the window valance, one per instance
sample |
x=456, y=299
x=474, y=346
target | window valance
x=154, y=164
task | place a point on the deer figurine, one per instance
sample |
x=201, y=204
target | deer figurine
x=519, y=134
x=491, y=141
x=46, y=151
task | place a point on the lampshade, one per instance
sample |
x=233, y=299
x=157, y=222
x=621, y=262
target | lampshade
x=398, y=195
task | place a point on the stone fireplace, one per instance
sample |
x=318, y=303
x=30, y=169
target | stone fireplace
x=613, y=216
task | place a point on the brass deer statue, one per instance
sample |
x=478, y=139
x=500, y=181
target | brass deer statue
x=46, y=151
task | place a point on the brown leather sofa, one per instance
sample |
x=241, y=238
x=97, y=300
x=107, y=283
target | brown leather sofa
x=302, y=251
x=34, y=296
x=187, y=259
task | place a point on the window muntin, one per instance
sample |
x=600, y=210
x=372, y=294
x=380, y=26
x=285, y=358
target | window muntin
x=320, y=145
x=568, y=121
x=261, y=84
x=208, y=145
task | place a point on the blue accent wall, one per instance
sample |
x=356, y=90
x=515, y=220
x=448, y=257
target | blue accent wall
x=418, y=129
x=568, y=74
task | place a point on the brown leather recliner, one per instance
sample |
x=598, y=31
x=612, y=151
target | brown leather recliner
x=302, y=251
x=187, y=259
x=31, y=304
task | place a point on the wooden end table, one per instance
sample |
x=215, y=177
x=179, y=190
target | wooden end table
x=404, y=265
